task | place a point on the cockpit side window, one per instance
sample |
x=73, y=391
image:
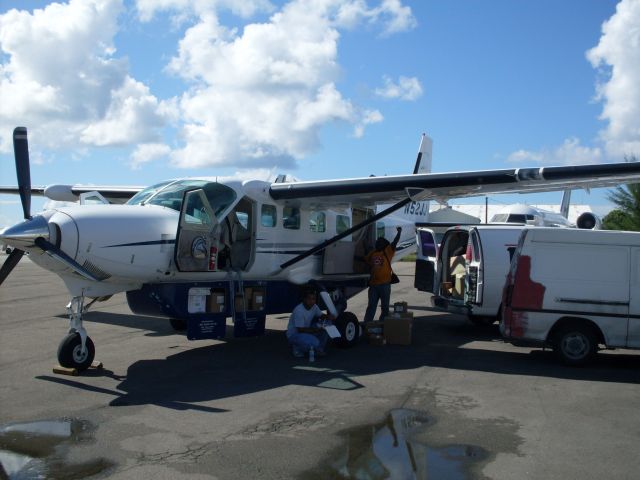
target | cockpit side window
x=170, y=194
x=148, y=192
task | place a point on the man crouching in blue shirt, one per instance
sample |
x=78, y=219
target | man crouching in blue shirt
x=303, y=331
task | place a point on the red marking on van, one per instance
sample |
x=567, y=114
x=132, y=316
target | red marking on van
x=521, y=293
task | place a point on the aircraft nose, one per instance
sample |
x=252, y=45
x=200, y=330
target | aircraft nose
x=23, y=234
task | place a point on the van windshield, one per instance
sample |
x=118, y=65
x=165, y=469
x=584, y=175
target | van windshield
x=170, y=194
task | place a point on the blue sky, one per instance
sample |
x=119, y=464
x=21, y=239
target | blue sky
x=133, y=92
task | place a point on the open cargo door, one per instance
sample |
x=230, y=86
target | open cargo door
x=197, y=238
x=425, y=260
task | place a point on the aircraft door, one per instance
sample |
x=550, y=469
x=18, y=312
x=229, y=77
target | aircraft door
x=425, y=260
x=197, y=238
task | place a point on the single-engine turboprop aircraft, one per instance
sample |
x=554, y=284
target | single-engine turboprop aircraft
x=199, y=251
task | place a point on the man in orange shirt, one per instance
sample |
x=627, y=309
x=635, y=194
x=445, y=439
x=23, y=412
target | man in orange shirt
x=379, y=261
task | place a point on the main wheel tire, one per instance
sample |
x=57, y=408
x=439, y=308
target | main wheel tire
x=178, y=324
x=575, y=345
x=349, y=328
x=70, y=353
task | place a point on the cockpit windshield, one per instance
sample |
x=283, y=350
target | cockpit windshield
x=170, y=194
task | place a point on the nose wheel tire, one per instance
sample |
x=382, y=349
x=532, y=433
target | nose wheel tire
x=349, y=328
x=70, y=354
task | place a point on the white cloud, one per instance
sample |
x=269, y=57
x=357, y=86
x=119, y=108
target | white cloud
x=148, y=152
x=61, y=78
x=245, y=8
x=257, y=95
x=617, y=55
x=569, y=153
x=406, y=88
x=367, y=118
x=262, y=96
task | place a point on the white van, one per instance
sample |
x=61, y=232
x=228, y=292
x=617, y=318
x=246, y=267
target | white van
x=574, y=290
x=468, y=272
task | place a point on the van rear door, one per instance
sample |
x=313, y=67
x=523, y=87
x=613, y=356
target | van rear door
x=633, y=332
x=474, y=282
x=424, y=279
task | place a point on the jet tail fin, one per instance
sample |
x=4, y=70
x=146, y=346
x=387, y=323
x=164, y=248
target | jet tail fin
x=423, y=162
x=564, y=205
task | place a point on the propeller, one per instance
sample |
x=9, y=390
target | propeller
x=21, y=152
x=33, y=228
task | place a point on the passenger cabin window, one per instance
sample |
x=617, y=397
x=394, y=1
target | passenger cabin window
x=317, y=222
x=291, y=218
x=343, y=223
x=170, y=195
x=268, y=216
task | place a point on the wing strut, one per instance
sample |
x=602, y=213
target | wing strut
x=340, y=236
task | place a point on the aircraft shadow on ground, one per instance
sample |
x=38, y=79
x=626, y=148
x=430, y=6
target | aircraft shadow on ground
x=157, y=326
x=245, y=366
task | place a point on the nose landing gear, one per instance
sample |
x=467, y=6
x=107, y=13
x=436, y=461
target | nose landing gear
x=76, y=350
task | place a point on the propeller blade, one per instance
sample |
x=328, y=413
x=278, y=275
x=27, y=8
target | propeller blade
x=59, y=255
x=10, y=263
x=21, y=152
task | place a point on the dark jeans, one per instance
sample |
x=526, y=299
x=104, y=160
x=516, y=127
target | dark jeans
x=382, y=293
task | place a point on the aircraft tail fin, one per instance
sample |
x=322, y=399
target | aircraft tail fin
x=423, y=162
x=564, y=205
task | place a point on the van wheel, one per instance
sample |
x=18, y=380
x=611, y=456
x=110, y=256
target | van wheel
x=349, y=328
x=575, y=345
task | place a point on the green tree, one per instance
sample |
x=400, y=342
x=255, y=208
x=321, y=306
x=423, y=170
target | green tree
x=617, y=220
x=627, y=199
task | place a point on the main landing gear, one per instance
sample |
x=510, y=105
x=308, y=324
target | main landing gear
x=76, y=350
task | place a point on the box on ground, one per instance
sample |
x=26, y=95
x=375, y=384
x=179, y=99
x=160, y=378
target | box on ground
x=376, y=339
x=397, y=331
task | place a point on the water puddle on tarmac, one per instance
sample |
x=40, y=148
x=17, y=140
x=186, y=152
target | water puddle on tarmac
x=38, y=450
x=391, y=449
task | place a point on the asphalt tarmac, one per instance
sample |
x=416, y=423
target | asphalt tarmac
x=457, y=403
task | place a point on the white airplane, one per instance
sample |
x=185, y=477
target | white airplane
x=198, y=251
x=520, y=213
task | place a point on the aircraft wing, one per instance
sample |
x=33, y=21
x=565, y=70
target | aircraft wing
x=443, y=186
x=71, y=193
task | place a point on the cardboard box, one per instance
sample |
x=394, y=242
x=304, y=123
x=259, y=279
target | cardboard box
x=400, y=307
x=238, y=303
x=458, y=285
x=216, y=301
x=397, y=331
x=402, y=315
x=258, y=299
x=457, y=265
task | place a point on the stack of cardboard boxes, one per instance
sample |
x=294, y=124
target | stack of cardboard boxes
x=252, y=300
x=394, y=330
